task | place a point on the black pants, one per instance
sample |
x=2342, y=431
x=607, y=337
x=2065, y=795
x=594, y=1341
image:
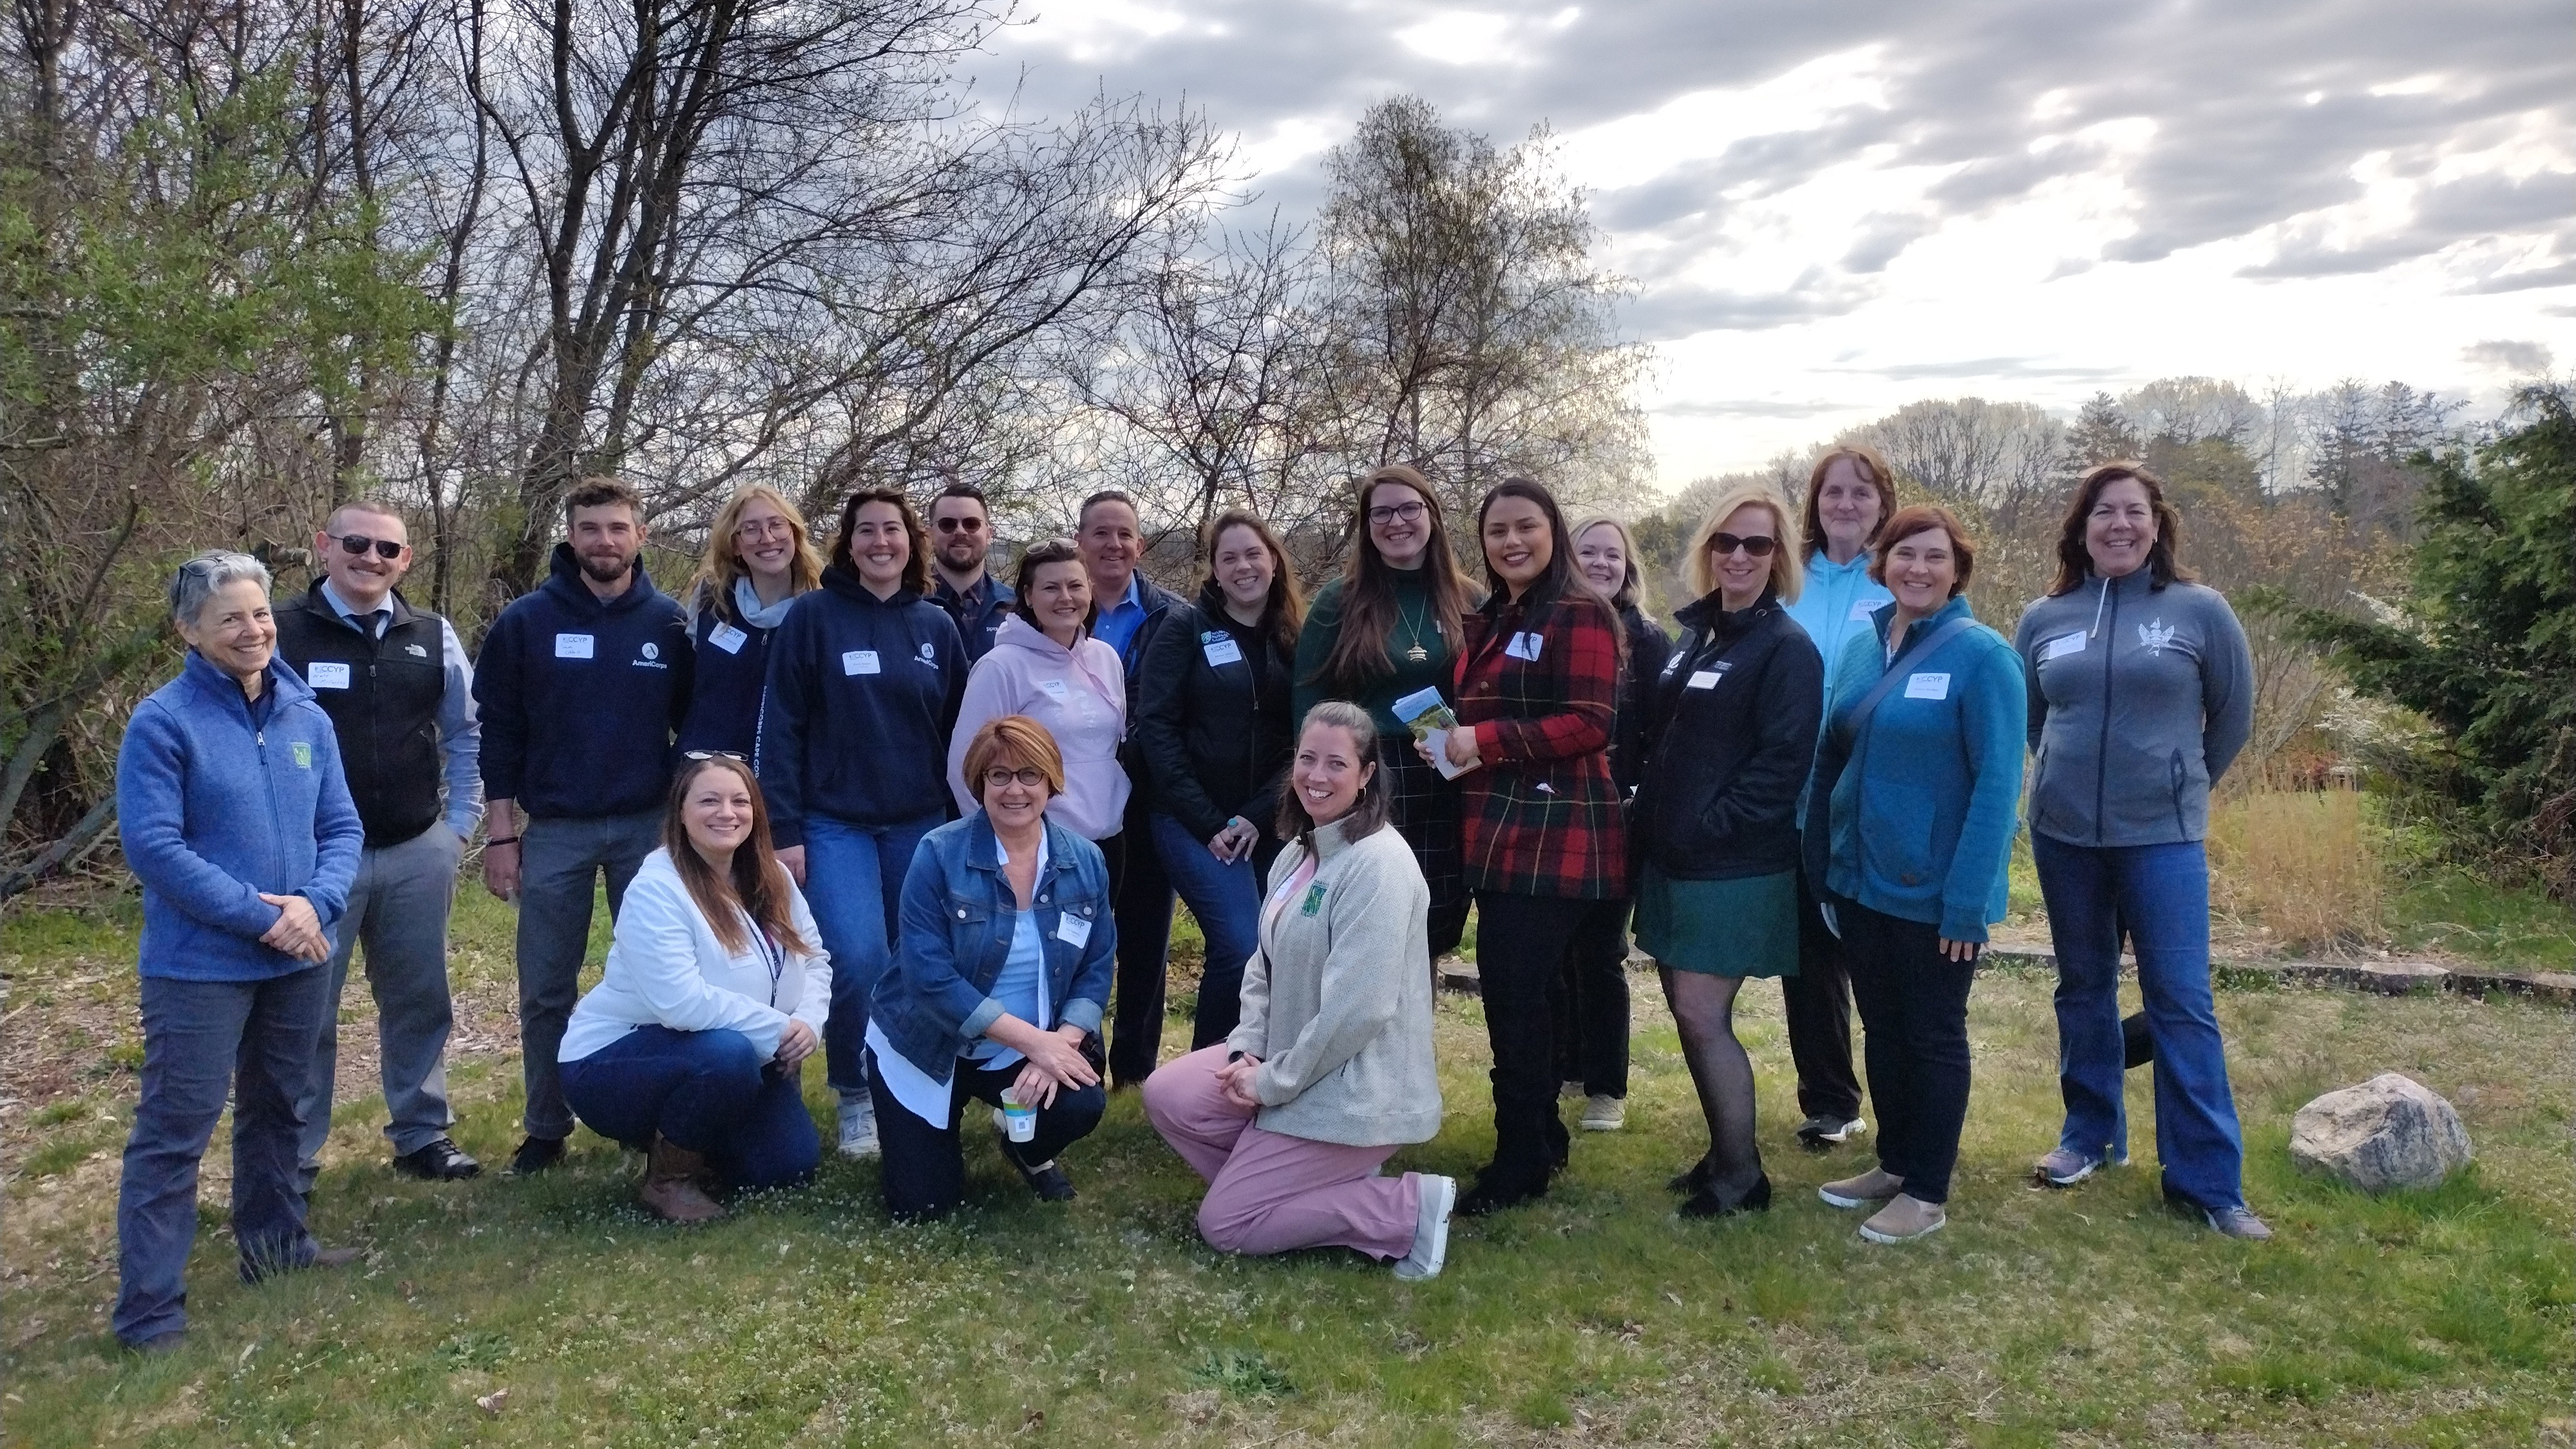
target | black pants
x=1141, y=900
x=925, y=1166
x=1521, y=943
x=1591, y=1005
x=1819, y=1006
x=1914, y=1017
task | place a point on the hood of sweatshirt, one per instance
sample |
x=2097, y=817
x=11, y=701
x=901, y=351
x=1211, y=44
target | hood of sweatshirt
x=569, y=586
x=1019, y=633
x=845, y=581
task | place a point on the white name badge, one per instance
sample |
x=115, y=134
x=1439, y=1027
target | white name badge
x=1056, y=689
x=572, y=646
x=728, y=638
x=1927, y=686
x=1072, y=930
x=1525, y=646
x=327, y=675
x=1222, y=650
x=1860, y=609
x=2061, y=646
x=1705, y=679
x=860, y=661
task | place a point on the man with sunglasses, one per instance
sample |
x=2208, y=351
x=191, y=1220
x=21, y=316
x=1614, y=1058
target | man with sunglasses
x=961, y=536
x=395, y=681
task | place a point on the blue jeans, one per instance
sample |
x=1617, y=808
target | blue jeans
x=707, y=1091
x=1226, y=899
x=854, y=885
x=203, y=1040
x=560, y=861
x=2160, y=893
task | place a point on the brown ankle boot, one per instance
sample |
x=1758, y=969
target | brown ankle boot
x=671, y=1190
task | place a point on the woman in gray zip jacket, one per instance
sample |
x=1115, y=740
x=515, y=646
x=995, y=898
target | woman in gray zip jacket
x=2141, y=694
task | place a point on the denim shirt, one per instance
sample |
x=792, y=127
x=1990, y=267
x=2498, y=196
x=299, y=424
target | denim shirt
x=957, y=919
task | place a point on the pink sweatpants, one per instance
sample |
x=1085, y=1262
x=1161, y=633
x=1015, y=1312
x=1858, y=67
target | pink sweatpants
x=1268, y=1192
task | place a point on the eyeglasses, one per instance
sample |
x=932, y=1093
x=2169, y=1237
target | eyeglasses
x=765, y=528
x=954, y=524
x=714, y=755
x=996, y=777
x=1757, y=547
x=358, y=543
x=1409, y=512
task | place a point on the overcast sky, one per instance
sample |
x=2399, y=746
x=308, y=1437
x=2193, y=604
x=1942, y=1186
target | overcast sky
x=1833, y=209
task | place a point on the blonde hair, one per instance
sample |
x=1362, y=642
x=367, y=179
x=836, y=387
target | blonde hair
x=722, y=563
x=1788, y=577
x=1625, y=595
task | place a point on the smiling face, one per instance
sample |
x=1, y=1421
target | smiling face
x=233, y=629
x=959, y=534
x=1399, y=523
x=363, y=578
x=1244, y=567
x=717, y=812
x=2120, y=528
x=1741, y=575
x=880, y=546
x=765, y=540
x=1111, y=541
x=1849, y=506
x=1922, y=569
x=1517, y=546
x=1329, y=773
x=606, y=537
x=1603, y=558
x=1014, y=792
x=1060, y=596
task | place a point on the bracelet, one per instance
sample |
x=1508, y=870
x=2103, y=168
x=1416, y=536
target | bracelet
x=507, y=840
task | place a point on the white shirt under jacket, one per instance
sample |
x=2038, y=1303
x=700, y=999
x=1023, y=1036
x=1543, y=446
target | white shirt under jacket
x=666, y=968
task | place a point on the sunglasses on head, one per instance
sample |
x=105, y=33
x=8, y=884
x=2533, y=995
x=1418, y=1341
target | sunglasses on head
x=714, y=755
x=358, y=543
x=1753, y=547
x=954, y=524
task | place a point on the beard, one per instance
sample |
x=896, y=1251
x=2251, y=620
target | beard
x=606, y=568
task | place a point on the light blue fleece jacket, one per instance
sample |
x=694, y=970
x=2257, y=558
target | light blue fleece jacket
x=219, y=800
x=1912, y=811
x=1835, y=603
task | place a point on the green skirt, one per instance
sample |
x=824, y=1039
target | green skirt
x=1742, y=927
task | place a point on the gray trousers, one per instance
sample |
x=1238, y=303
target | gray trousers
x=560, y=860
x=398, y=912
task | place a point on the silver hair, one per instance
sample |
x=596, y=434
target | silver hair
x=201, y=577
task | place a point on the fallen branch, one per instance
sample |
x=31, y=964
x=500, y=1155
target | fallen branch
x=75, y=841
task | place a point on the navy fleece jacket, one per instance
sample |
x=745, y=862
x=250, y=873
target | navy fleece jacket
x=862, y=694
x=579, y=696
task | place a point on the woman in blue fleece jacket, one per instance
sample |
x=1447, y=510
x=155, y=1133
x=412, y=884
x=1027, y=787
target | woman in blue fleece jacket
x=235, y=817
x=1910, y=822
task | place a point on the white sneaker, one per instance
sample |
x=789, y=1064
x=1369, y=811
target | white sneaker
x=1430, y=1230
x=858, y=1125
x=1604, y=1114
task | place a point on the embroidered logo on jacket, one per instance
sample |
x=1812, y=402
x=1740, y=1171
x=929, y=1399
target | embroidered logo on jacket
x=2155, y=634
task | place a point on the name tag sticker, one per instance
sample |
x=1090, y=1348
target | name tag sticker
x=1705, y=679
x=2061, y=646
x=1927, y=686
x=1056, y=689
x=1860, y=609
x=1073, y=930
x=860, y=661
x=1525, y=646
x=327, y=675
x=728, y=638
x=1222, y=650
x=572, y=646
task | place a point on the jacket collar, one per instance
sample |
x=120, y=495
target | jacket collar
x=1540, y=594
x=1332, y=839
x=1885, y=615
x=983, y=849
x=283, y=686
x=2127, y=588
x=1709, y=612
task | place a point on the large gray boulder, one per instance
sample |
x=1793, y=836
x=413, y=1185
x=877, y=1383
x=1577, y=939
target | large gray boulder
x=2391, y=1131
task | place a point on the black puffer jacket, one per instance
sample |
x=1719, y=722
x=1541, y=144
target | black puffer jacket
x=1213, y=735
x=1730, y=736
x=1648, y=647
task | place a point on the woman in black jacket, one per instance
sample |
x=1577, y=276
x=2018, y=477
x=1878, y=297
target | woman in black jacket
x=1730, y=738
x=1212, y=727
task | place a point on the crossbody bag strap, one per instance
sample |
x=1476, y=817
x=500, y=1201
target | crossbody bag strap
x=1869, y=702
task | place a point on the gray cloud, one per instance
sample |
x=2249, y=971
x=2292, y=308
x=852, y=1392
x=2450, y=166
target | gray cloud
x=1749, y=408
x=1986, y=367
x=1682, y=310
x=2520, y=359
x=2468, y=209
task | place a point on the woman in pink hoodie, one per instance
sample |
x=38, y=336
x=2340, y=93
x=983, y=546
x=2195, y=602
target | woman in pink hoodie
x=1045, y=664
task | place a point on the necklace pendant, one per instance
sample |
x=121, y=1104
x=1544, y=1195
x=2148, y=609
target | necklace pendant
x=1417, y=654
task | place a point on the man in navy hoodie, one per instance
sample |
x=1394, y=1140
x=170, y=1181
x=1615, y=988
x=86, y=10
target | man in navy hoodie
x=581, y=685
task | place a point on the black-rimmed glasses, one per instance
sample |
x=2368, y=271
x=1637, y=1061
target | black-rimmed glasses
x=1409, y=512
x=997, y=777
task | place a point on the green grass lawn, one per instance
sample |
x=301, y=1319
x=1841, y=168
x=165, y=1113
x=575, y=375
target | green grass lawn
x=2088, y=1317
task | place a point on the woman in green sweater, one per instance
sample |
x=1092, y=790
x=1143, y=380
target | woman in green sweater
x=1388, y=627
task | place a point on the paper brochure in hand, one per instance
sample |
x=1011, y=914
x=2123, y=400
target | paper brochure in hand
x=1430, y=718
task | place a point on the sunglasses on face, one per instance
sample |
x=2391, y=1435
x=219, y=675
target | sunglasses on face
x=358, y=543
x=1409, y=512
x=1726, y=543
x=997, y=777
x=954, y=524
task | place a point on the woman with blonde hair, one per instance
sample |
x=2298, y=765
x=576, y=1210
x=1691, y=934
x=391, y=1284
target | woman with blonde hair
x=1730, y=736
x=759, y=558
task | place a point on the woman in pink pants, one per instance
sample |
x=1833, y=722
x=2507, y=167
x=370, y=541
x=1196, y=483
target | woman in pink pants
x=1291, y=1119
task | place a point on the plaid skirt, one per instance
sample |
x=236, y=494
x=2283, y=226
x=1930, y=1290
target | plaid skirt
x=1424, y=810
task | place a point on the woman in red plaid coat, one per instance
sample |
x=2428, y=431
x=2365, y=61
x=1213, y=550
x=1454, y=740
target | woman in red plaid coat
x=1537, y=685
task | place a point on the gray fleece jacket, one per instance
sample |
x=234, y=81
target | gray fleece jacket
x=2140, y=697
x=1336, y=1003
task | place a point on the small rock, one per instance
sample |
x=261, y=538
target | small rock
x=493, y=1402
x=2390, y=1131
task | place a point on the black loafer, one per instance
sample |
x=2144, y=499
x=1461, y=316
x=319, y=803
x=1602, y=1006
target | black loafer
x=1690, y=1180
x=440, y=1161
x=1493, y=1195
x=1706, y=1203
x=1046, y=1179
x=535, y=1155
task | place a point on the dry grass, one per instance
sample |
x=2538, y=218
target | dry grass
x=2303, y=866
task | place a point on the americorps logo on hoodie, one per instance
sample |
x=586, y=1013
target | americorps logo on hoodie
x=652, y=659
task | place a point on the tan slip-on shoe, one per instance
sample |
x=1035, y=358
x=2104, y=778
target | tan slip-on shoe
x=1869, y=1189
x=1903, y=1220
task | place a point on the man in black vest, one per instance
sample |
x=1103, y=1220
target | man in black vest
x=398, y=688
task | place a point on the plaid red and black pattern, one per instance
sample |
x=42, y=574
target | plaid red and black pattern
x=1539, y=682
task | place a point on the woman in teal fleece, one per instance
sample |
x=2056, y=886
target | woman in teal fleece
x=1910, y=823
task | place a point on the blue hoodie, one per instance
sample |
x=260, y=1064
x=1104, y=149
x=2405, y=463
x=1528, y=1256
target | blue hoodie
x=862, y=694
x=218, y=800
x=1912, y=811
x=579, y=696
x=1835, y=604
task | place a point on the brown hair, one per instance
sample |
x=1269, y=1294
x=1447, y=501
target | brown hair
x=374, y=503
x=756, y=886
x=1874, y=471
x=1917, y=518
x=1360, y=653
x=1050, y=551
x=599, y=491
x=2075, y=562
x=916, y=567
x=1018, y=737
x=1285, y=610
x=1562, y=577
x=722, y=564
x=1373, y=806
x=1788, y=575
